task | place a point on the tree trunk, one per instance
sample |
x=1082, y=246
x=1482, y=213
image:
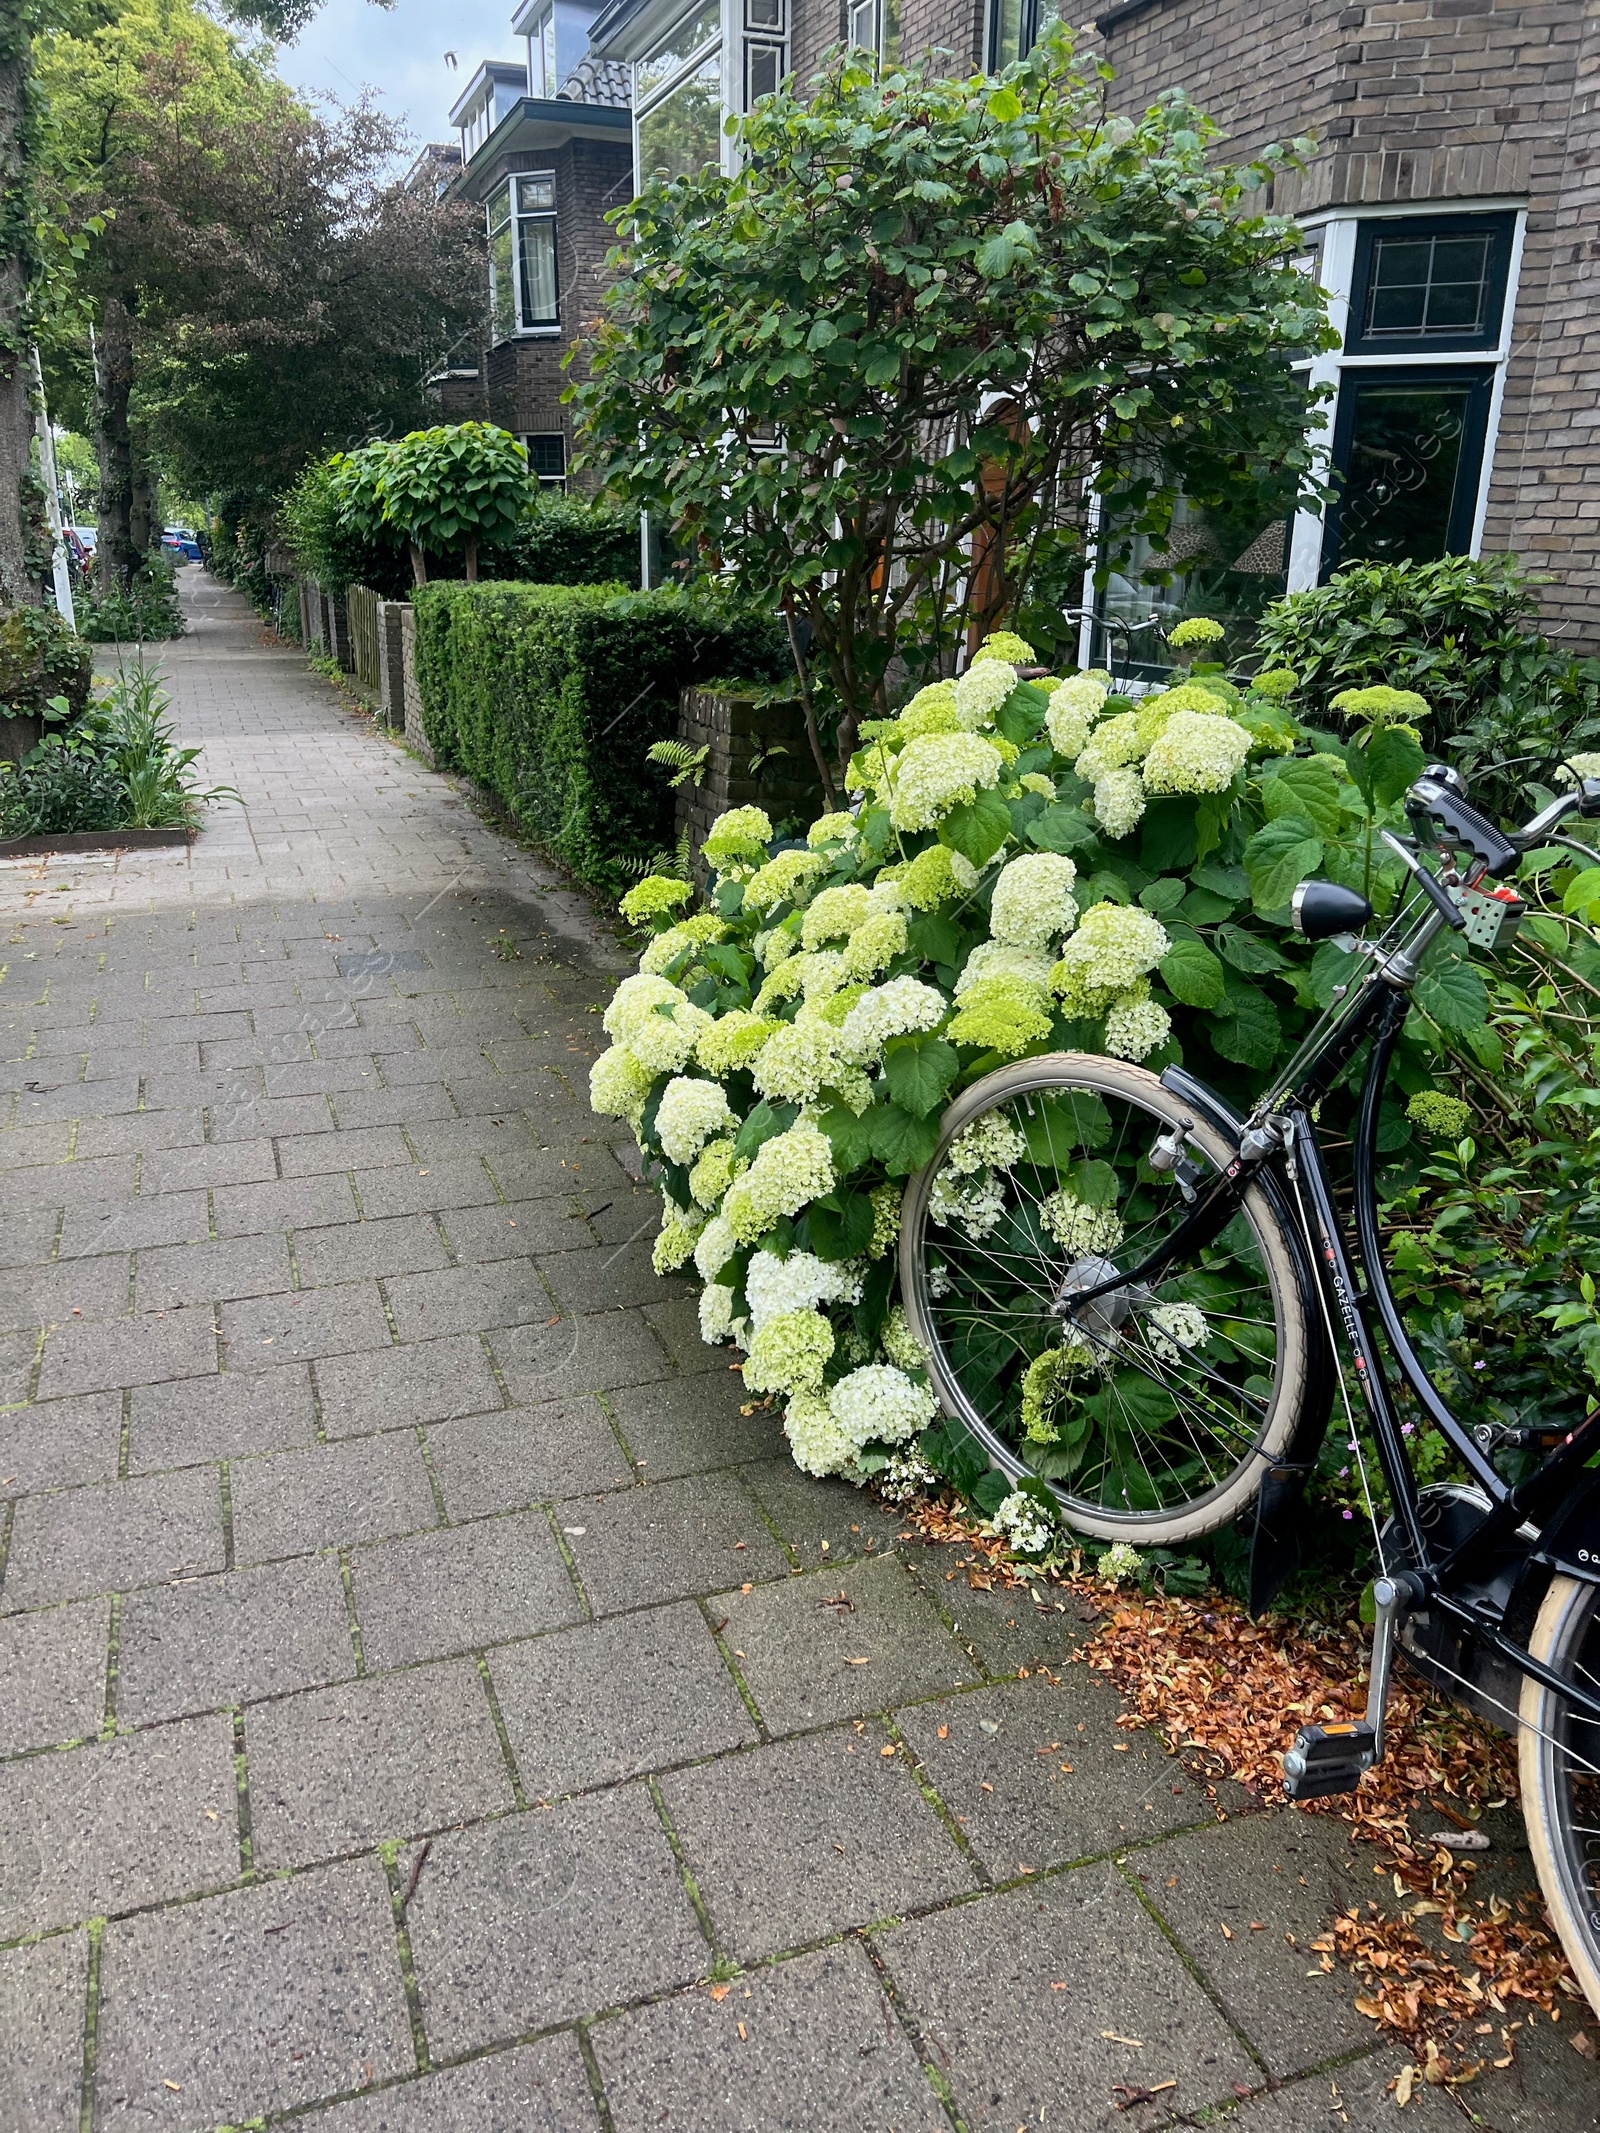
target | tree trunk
x=116, y=557
x=19, y=586
x=419, y=565
x=472, y=562
x=143, y=531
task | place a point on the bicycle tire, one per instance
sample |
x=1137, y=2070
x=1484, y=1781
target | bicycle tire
x=1230, y=1472
x=1567, y=1628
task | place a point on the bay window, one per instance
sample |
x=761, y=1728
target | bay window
x=523, y=290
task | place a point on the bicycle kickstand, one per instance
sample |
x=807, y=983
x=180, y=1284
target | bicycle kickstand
x=1333, y=1758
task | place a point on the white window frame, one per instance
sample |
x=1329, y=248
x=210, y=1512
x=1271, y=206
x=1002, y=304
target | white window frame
x=1338, y=231
x=543, y=59
x=547, y=481
x=742, y=37
x=511, y=193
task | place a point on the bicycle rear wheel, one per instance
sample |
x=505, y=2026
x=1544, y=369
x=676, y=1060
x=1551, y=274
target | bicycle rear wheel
x=1559, y=1755
x=1152, y=1412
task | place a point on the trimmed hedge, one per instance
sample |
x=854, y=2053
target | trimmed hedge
x=550, y=694
x=565, y=541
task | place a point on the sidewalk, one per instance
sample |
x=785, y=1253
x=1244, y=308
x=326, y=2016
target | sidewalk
x=417, y=1677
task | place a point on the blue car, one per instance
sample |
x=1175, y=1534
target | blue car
x=182, y=542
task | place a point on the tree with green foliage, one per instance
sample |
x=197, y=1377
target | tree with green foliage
x=892, y=365
x=455, y=486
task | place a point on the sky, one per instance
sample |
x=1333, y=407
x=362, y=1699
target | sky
x=399, y=53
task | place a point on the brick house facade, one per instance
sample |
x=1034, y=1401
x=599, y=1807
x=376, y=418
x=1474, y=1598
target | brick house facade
x=1452, y=212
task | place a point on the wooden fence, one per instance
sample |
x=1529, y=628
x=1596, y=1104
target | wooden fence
x=366, y=657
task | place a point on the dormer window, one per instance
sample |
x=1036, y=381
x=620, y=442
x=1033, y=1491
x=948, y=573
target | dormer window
x=523, y=292
x=543, y=78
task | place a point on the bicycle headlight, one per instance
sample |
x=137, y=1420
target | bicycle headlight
x=1321, y=909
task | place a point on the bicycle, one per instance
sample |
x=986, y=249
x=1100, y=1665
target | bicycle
x=1149, y=1303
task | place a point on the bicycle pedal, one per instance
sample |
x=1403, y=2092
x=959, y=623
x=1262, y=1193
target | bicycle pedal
x=1328, y=1759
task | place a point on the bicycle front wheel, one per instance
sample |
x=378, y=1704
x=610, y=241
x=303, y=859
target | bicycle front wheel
x=1152, y=1410
x=1560, y=1775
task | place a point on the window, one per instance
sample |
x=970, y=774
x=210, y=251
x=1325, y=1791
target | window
x=1408, y=456
x=766, y=50
x=523, y=292
x=874, y=26
x=1015, y=27
x=543, y=79
x=1429, y=285
x=683, y=132
x=675, y=51
x=547, y=459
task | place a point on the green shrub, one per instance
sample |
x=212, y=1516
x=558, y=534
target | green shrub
x=145, y=612
x=550, y=696
x=117, y=766
x=564, y=540
x=333, y=520
x=40, y=659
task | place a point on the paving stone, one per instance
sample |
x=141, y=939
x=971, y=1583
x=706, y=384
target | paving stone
x=800, y=1644
x=1122, y=1787
x=289, y=1203
x=316, y=1153
x=36, y=1144
x=591, y=1885
x=602, y=1280
x=333, y=1495
x=83, y=1288
x=150, y=1349
x=56, y=1443
x=212, y=1273
x=338, y=1769
x=469, y=1299
x=318, y=1077
x=1288, y=1874
x=419, y=1381
x=426, y=1187
x=107, y=1177
x=18, y=1361
x=981, y=1982
x=109, y=1538
x=528, y=1173
x=536, y=2088
x=810, y=2044
x=1005, y=1631
x=690, y=1425
x=338, y=1320
x=662, y=1543
x=676, y=1325
x=225, y=1640
x=463, y=1587
x=405, y=1244
x=615, y=1699
x=44, y=1993
x=130, y=1225
x=593, y=1353
x=140, y=1132
x=523, y=1455
x=224, y=1417
x=809, y=1837
x=136, y=1820
x=357, y=1108
x=512, y=1229
x=823, y=1522
x=61, y=1098
x=259, y=2000
x=52, y=1675
x=215, y=1163
x=270, y=1118
x=28, y=1236
x=1355, y=2098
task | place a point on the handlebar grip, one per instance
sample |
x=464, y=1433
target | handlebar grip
x=1431, y=800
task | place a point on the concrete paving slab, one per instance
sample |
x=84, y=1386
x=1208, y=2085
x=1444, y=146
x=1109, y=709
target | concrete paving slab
x=523, y=1455
x=416, y=1381
x=43, y=2006
x=461, y=1588
x=53, y=1675
x=202, y=1642
x=533, y=2088
x=678, y=1539
x=109, y=1538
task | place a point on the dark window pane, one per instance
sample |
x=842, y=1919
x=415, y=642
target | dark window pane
x=684, y=131
x=763, y=64
x=1006, y=35
x=1404, y=467
x=547, y=457
x=1422, y=286
x=538, y=248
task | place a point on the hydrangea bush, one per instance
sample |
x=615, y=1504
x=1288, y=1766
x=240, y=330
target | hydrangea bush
x=1026, y=866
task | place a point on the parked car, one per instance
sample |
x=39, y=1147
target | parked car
x=181, y=541
x=85, y=536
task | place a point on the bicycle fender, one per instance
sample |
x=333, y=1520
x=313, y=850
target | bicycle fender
x=1279, y=1527
x=1568, y=1546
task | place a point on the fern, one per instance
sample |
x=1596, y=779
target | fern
x=676, y=865
x=687, y=763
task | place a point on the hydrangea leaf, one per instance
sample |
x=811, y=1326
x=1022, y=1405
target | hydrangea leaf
x=1278, y=858
x=1058, y=1123
x=765, y=1123
x=1192, y=974
x=1025, y=811
x=902, y=1144
x=1201, y=907
x=1062, y=829
x=1304, y=785
x=1230, y=882
x=1170, y=840
x=1022, y=714
x=936, y=939
x=1163, y=896
x=850, y=1137
x=1247, y=1030
x=920, y=1070
x=838, y=1226
x=1248, y=951
x=1453, y=993
x=978, y=829
x=1385, y=764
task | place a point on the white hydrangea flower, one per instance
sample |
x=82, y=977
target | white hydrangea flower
x=656, y=1021
x=798, y=1062
x=714, y=1171
x=888, y=893
x=982, y=690
x=789, y=1170
x=715, y=1247
x=619, y=1085
x=823, y=971
x=680, y=1228
x=785, y=879
x=1119, y=802
x=789, y=1353
x=1196, y=753
x=991, y=1142
x=939, y=771
x=734, y=1040
x=907, y=1476
x=1121, y=1565
x=819, y=1446
x=689, y=1113
x=1004, y=959
x=900, y=1344
x=1082, y=1231
x=977, y=1204
x=1173, y=1328
x=1114, y=947
x=776, y=945
x=798, y=1283
x=692, y=932
x=1022, y=1520
x=832, y=829
x=1577, y=767
x=635, y=998
x=892, y=1010
x=940, y=1281
x=1112, y=746
x=716, y=1313
x=835, y=913
x=1136, y=1024
x=1074, y=707
x=879, y=1403
x=881, y=936
x=1033, y=903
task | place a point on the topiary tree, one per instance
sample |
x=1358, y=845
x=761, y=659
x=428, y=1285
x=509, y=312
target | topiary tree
x=888, y=368
x=333, y=517
x=458, y=485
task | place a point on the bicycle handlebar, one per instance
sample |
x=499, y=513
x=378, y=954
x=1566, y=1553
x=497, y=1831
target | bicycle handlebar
x=1436, y=799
